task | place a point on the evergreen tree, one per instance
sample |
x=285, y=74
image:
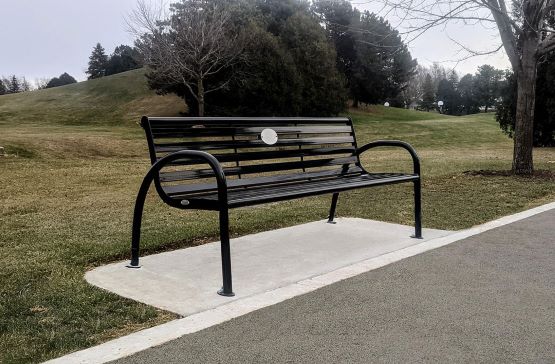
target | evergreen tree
x=488, y=85
x=3, y=89
x=64, y=79
x=447, y=92
x=98, y=62
x=467, y=91
x=322, y=85
x=14, y=85
x=339, y=17
x=428, y=97
x=370, y=53
x=124, y=58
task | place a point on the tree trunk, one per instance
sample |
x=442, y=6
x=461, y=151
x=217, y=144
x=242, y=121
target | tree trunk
x=200, y=90
x=355, y=102
x=524, y=125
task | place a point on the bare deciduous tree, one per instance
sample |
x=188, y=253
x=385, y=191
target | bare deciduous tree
x=527, y=34
x=191, y=46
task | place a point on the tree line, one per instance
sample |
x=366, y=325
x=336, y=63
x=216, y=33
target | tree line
x=124, y=58
x=13, y=85
x=467, y=95
x=271, y=57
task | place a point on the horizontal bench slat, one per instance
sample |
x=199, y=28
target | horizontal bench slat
x=212, y=145
x=259, y=168
x=154, y=121
x=189, y=131
x=274, y=154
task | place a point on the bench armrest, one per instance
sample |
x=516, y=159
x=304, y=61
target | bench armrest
x=393, y=143
x=183, y=154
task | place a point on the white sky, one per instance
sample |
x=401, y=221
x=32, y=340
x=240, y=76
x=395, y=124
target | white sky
x=436, y=45
x=44, y=38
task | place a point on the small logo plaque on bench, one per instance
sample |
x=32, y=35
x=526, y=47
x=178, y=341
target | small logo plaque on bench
x=269, y=136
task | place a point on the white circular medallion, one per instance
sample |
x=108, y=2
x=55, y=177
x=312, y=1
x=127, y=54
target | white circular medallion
x=269, y=136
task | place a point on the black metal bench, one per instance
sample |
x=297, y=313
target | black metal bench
x=222, y=163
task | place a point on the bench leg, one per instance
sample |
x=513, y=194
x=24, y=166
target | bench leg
x=332, y=208
x=417, y=210
x=137, y=217
x=226, y=254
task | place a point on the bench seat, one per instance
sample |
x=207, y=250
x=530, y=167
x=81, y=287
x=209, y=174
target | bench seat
x=254, y=194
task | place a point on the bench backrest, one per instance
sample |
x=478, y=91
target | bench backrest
x=307, y=148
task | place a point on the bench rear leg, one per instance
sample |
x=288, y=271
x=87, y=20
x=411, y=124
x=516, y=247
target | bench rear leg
x=417, y=209
x=227, y=289
x=332, y=208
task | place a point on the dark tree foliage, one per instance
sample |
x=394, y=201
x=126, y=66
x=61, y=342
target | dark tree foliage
x=124, y=58
x=428, y=97
x=3, y=89
x=339, y=18
x=288, y=69
x=371, y=54
x=271, y=85
x=448, y=93
x=64, y=79
x=98, y=62
x=322, y=85
x=469, y=103
x=544, y=114
x=488, y=82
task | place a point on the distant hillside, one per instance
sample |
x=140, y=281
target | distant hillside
x=120, y=100
x=112, y=100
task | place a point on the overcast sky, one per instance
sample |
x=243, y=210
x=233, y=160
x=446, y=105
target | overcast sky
x=44, y=38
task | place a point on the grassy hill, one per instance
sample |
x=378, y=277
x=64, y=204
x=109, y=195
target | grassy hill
x=77, y=157
x=114, y=100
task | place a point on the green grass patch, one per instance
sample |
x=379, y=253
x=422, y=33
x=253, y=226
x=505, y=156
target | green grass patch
x=67, y=205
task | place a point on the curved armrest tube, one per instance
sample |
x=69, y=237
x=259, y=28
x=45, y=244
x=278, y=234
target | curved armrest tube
x=394, y=143
x=209, y=158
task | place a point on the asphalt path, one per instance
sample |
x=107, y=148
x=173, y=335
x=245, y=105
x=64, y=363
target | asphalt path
x=489, y=298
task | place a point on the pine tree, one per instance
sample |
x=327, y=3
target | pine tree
x=3, y=89
x=428, y=97
x=98, y=61
x=14, y=85
x=488, y=85
x=447, y=92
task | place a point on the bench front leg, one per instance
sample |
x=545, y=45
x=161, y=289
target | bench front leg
x=417, y=209
x=149, y=178
x=417, y=183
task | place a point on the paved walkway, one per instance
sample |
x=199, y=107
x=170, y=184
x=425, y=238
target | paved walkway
x=488, y=298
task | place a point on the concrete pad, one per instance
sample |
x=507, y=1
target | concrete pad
x=185, y=281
